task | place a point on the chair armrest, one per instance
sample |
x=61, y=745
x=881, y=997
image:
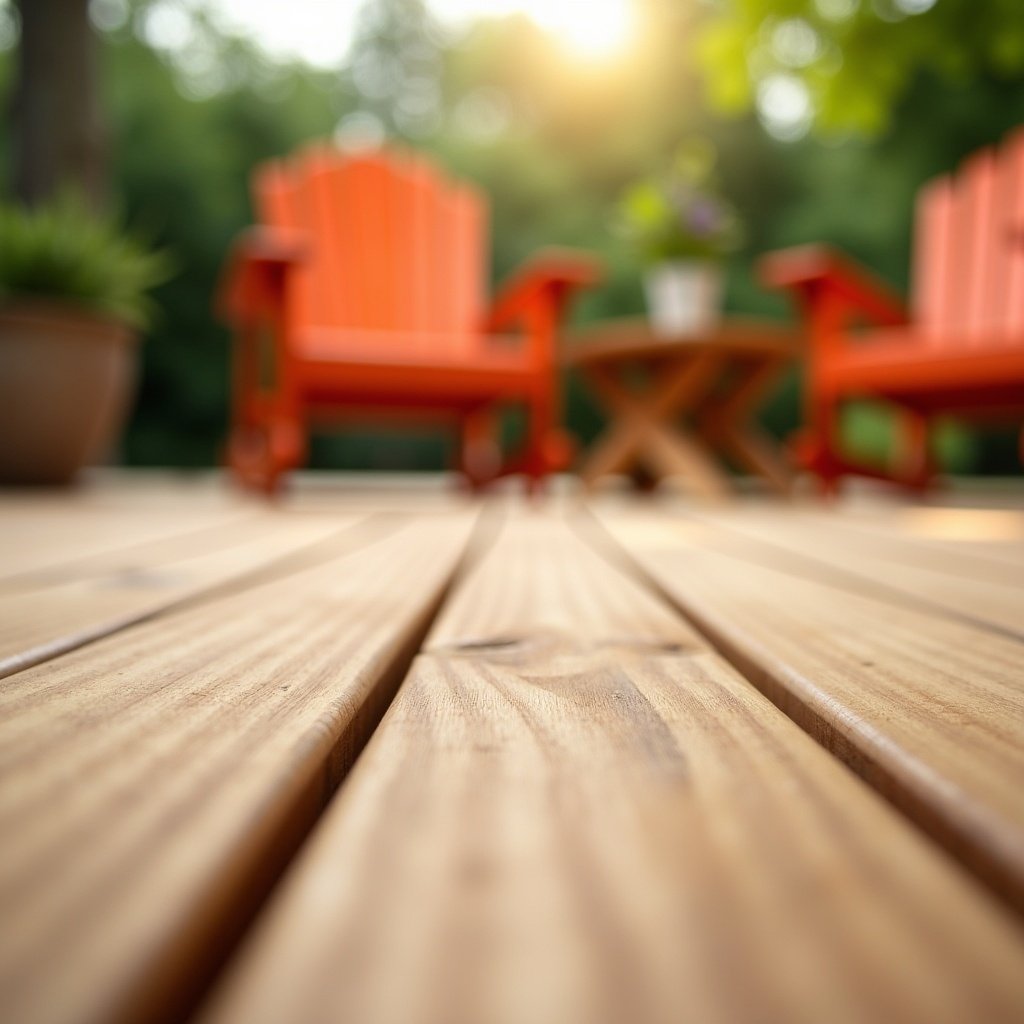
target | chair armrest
x=544, y=284
x=822, y=276
x=255, y=272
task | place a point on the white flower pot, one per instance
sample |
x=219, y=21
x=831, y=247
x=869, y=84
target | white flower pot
x=684, y=297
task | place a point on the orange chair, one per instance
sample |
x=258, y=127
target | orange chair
x=361, y=294
x=961, y=350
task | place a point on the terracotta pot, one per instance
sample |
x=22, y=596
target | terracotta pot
x=66, y=380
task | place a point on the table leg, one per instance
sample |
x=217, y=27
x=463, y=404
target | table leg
x=616, y=450
x=760, y=454
x=643, y=427
x=613, y=452
x=677, y=453
x=727, y=426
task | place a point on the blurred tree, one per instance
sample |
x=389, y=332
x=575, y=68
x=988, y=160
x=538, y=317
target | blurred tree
x=552, y=138
x=395, y=67
x=191, y=120
x=844, y=64
x=59, y=137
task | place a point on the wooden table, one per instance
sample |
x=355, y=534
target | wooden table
x=386, y=756
x=674, y=404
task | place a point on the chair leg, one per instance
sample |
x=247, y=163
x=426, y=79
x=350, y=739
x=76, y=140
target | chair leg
x=548, y=448
x=816, y=448
x=540, y=423
x=268, y=434
x=249, y=459
x=915, y=466
x=480, y=458
x=260, y=450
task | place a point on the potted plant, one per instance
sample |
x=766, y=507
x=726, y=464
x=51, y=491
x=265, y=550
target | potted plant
x=72, y=299
x=682, y=228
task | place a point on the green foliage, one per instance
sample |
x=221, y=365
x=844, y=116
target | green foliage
x=870, y=434
x=63, y=251
x=680, y=213
x=553, y=141
x=181, y=165
x=850, y=61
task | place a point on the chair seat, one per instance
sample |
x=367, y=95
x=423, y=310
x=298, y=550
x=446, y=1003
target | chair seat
x=901, y=363
x=411, y=348
x=383, y=368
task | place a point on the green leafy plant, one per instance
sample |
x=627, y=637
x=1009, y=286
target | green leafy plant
x=64, y=252
x=680, y=212
x=843, y=66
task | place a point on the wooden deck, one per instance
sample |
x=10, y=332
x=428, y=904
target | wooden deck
x=624, y=761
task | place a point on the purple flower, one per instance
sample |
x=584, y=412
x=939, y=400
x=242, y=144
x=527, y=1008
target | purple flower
x=704, y=217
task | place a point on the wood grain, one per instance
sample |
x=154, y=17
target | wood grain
x=47, y=535
x=928, y=709
x=575, y=811
x=48, y=612
x=153, y=783
x=892, y=568
x=993, y=537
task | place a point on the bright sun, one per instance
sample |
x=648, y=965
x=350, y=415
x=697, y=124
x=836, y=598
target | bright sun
x=590, y=28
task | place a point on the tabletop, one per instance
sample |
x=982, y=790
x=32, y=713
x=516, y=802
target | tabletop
x=633, y=338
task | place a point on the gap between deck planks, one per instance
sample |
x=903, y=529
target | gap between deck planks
x=576, y=811
x=153, y=783
x=929, y=710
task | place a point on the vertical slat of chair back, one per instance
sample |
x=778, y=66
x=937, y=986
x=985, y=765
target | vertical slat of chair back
x=969, y=251
x=415, y=185
x=983, y=254
x=348, y=215
x=463, y=226
x=935, y=261
x=394, y=247
x=1011, y=239
x=278, y=204
x=411, y=221
x=431, y=270
x=962, y=269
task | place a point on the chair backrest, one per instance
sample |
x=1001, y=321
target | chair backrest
x=969, y=251
x=394, y=245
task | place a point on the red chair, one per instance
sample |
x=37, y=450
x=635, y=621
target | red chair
x=959, y=352
x=361, y=294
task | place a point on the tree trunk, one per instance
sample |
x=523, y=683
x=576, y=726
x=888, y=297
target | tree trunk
x=59, y=136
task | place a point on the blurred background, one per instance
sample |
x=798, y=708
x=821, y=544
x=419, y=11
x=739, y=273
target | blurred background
x=826, y=115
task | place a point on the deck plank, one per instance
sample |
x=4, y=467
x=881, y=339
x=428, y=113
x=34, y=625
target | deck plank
x=928, y=709
x=43, y=536
x=993, y=537
x=152, y=783
x=50, y=611
x=955, y=582
x=575, y=811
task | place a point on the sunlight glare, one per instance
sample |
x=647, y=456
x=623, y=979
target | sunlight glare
x=589, y=28
x=965, y=524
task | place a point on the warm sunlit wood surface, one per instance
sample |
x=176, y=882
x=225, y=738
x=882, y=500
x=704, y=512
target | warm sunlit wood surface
x=611, y=782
